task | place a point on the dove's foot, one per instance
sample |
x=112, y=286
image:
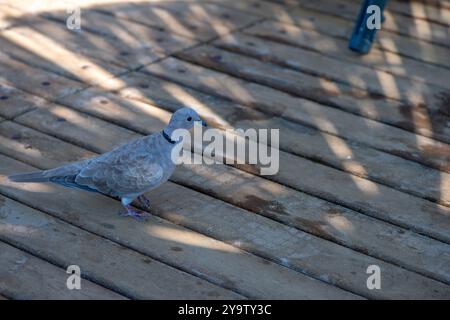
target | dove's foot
x=143, y=200
x=136, y=214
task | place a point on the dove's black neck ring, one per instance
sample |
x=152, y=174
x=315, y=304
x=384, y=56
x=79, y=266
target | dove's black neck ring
x=166, y=136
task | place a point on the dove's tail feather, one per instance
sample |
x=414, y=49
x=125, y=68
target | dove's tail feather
x=40, y=176
x=29, y=177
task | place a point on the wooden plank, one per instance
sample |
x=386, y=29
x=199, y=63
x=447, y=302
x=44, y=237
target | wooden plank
x=376, y=81
x=272, y=200
x=15, y=102
x=291, y=247
x=37, y=7
x=403, y=45
x=107, y=263
x=410, y=27
x=387, y=171
x=25, y=277
x=203, y=256
x=8, y=16
x=35, y=81
x=201, y=21
x=416, y=118
x=199, y=183
x=339, y=23
x=76, y=49
x=130, y=36
x=338, y=49
x=420, y=11
x=37, y=50
x=431, y=153
x=402, y=24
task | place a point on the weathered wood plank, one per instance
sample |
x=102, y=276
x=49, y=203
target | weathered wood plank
x=203, y=256
x=359, y=194
x=130, y=36
x=406, y=25
x=339, y=22
x=272, y=200
x=376, y=81
x=109, y=264
x=422, y=11
x=338, y=48
x=35, y=81
x=416, y=118
x=40, y=51
x=23, y=276
x=202, y=21
x=14, y=102
x=274, y=102
x=76, y=49
x=411, y=9
x=8, y=16
x=272, y=240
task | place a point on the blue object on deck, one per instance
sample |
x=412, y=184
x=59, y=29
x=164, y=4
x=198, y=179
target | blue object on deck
x=362, y=37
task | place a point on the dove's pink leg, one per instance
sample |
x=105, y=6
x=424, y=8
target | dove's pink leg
x=143, y=200
x=131, y=212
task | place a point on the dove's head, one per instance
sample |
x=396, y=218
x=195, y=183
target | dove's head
x=184, y=118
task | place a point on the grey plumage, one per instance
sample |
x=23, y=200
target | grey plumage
x=125, y=172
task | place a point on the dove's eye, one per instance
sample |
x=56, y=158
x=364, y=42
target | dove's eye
x=189, y=119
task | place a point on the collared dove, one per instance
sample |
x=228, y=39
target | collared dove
x=126, y=172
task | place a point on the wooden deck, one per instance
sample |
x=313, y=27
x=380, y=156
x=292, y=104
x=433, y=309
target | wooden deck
x=364, y=173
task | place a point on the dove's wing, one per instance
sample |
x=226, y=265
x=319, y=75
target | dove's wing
x=127, y=170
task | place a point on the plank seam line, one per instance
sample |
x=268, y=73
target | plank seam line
x=20, y=247
x=117, y=242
